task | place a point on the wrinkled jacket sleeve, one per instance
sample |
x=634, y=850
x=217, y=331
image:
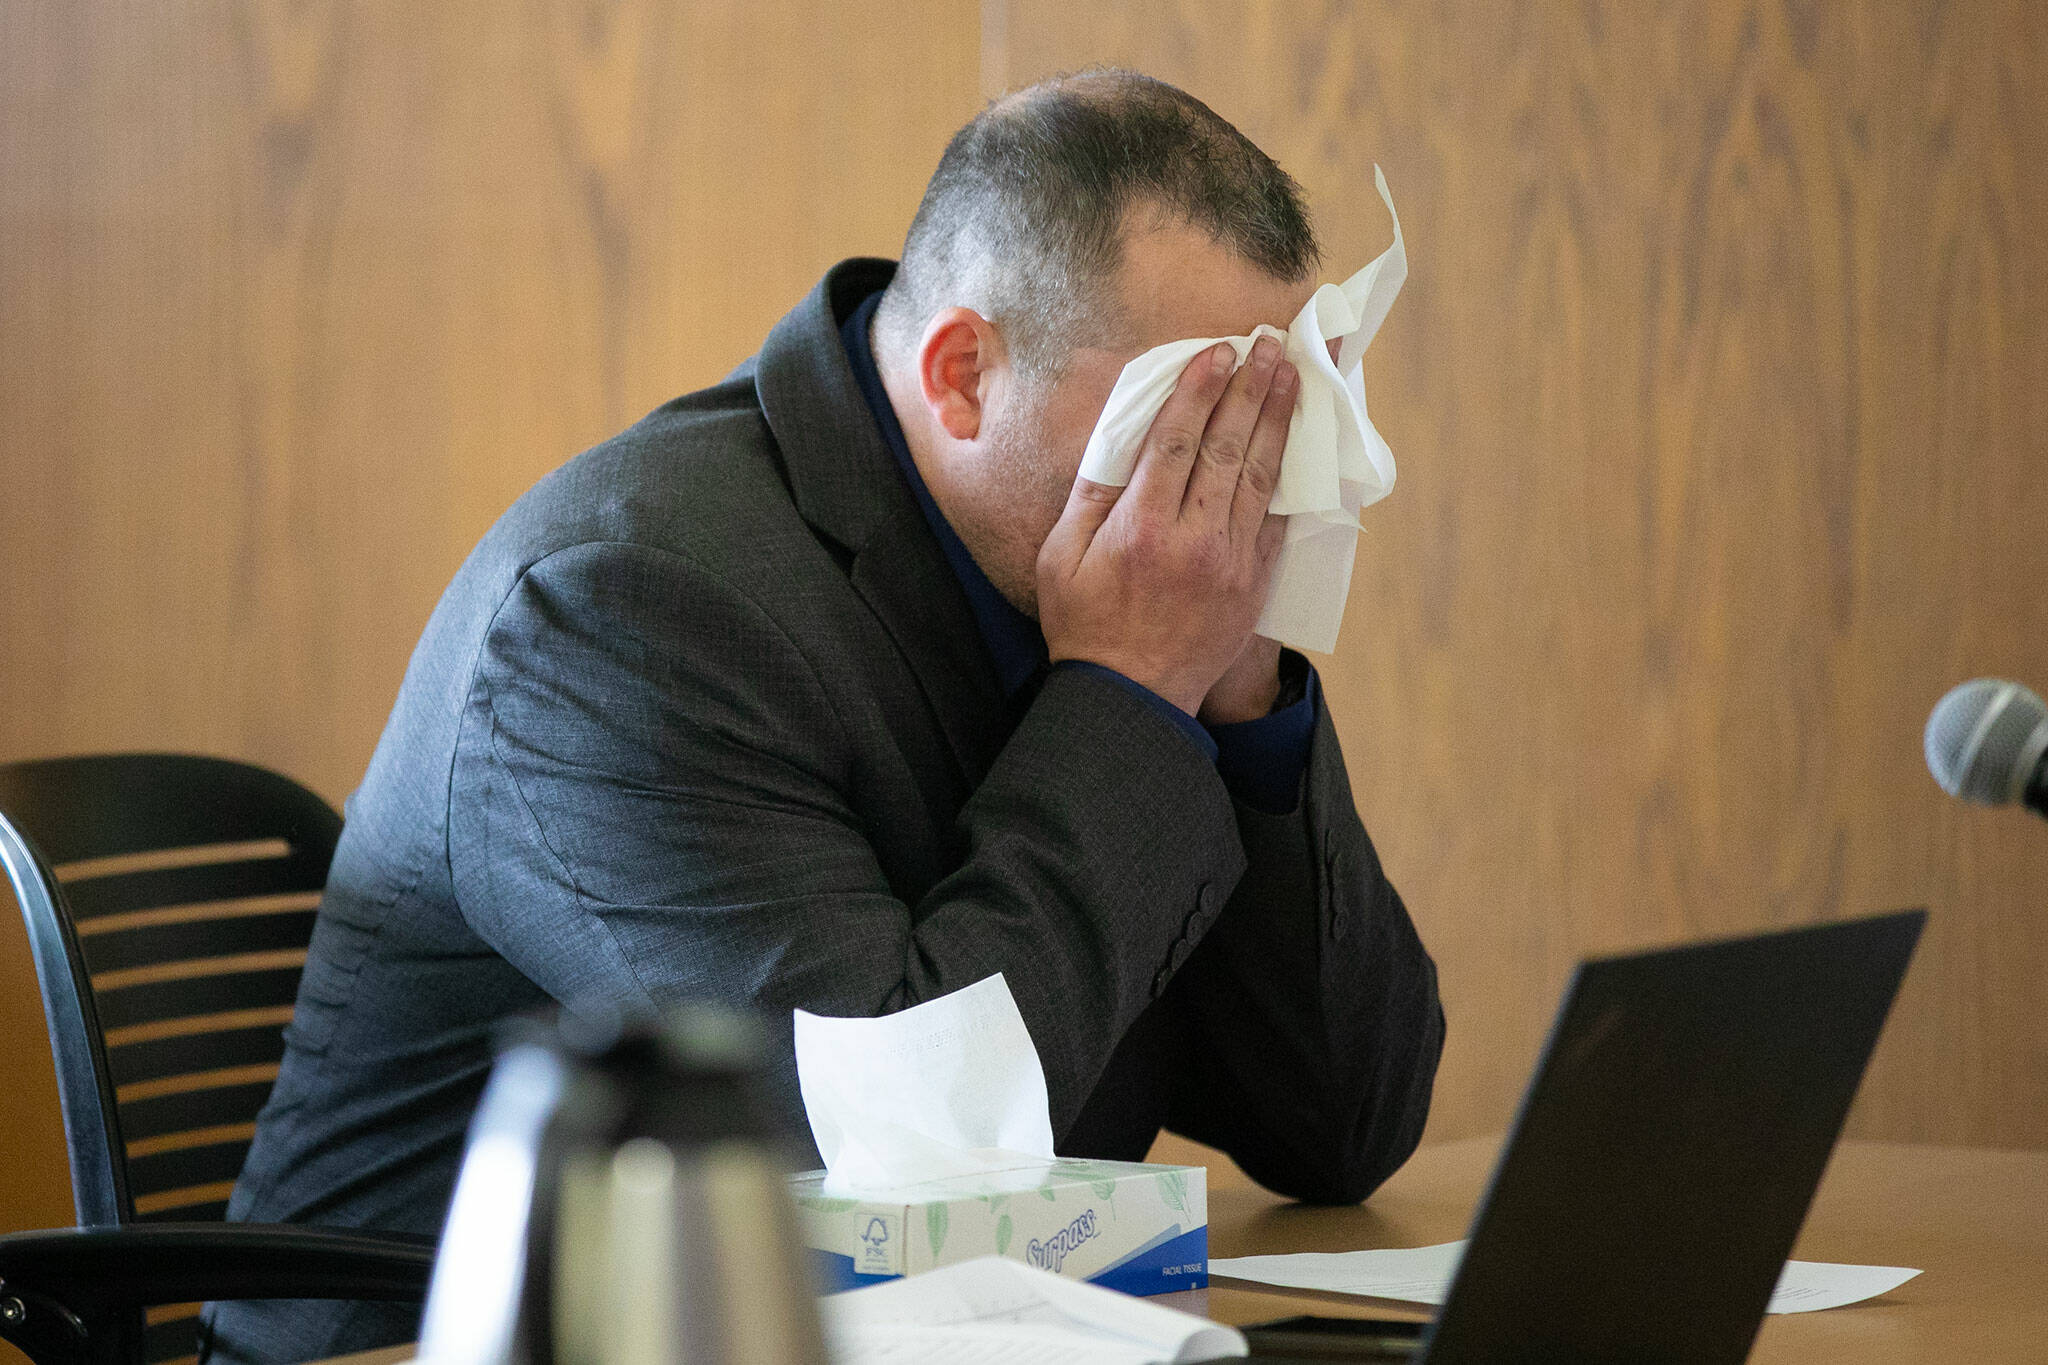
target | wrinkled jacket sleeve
x=1310, y=1010
x=649, y=804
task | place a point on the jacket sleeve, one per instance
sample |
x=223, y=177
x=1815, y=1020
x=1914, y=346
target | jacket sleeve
x=649, y=805
x=1311, y=1008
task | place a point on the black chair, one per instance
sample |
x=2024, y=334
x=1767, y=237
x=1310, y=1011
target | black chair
x=169, y=901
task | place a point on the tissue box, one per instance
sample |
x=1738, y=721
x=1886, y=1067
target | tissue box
x=1126, y=1225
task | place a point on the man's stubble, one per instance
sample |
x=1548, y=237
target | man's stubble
x=1022, y=486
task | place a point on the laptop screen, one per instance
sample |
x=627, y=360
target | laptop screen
x=1669, y=1145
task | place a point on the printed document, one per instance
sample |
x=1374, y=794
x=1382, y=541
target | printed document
x=1005, y=1313
x=1423, y=1275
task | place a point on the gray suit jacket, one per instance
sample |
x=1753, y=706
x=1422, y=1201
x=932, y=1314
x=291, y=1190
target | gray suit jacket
x=706, y=716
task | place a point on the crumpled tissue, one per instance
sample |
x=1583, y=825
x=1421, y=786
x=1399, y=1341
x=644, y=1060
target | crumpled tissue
x=1335, y=462
x=948, y=1088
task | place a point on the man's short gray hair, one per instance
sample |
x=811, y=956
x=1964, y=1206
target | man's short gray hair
x=1023, y=220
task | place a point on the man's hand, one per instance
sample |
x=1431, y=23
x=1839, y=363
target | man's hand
x=1163, y=580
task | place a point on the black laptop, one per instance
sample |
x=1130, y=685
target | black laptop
x=1664, y=1157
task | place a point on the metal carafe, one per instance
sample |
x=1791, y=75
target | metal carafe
x=623, y=1202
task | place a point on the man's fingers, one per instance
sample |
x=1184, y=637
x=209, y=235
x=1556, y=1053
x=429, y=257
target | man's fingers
x=1089, y=498
x=1272, y=534
x=1260, y=473
x=1088, y=505
x=1212, y=485
x=1168, y=454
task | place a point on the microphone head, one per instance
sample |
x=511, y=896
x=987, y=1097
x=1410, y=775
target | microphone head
x=1984, y=740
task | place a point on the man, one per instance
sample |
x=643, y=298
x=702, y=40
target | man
x=830, y=687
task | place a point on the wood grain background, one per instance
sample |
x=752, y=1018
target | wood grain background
x=295, y=298
x=1718, y=397
x=1719, y=391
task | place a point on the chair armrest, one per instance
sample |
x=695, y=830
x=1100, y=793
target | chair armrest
x=94, y=1271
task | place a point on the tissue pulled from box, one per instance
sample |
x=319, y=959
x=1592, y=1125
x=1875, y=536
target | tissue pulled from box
x=948, y=1088
x=1335, y=462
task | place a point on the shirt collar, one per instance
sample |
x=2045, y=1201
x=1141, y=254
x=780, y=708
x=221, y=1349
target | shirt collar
x=1014, y=642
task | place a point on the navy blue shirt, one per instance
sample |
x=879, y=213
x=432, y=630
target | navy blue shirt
x=1261, y=761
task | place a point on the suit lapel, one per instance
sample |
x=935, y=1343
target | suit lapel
x=846, y=485
x=903, y=576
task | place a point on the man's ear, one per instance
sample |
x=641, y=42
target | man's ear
x=959, y=349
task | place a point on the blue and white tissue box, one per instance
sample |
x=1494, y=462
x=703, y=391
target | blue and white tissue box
x=1125, y=1225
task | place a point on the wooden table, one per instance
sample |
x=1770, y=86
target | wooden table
x=1976, y=1222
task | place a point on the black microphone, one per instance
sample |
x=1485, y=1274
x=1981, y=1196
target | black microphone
x=1987, y=742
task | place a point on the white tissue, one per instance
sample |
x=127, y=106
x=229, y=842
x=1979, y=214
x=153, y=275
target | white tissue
x=1335, y=462
x=948, y=1088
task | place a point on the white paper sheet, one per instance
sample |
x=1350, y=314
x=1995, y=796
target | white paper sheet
x=1423, y=1275
x=1414, y=1275
x=1809, y=1286
x=986, y=1343
x=948, y=1088
x=1335, y=462
x=1001, y=1311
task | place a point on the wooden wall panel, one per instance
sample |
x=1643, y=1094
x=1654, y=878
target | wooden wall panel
x=295, y=298
x=1716, y=390
x=1717, y=394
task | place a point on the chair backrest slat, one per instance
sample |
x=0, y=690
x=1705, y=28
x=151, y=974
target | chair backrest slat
x=189, y=1054
x=257, y=979
x=192, y=940
x=184, y=1167
x=93, y=897
x=187, y=1204
x=186, y=1110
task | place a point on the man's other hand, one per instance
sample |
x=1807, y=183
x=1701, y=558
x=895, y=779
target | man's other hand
x=1163, y=580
